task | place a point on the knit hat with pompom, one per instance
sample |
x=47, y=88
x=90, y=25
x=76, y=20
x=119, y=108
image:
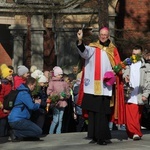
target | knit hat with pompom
x=5, y=72
x=57, y=71
x=42, y=78
x=36, y=74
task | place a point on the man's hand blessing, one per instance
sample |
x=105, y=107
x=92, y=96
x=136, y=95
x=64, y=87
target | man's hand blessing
x=80, y=36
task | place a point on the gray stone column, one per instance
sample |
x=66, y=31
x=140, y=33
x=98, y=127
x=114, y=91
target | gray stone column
x=112, y=27
x=18, y=33
x=37, y=31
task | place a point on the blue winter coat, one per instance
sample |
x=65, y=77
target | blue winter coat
x=23, y=111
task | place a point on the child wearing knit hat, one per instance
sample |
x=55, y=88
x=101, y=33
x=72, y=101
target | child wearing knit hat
x=57, y=71
x=80, y=120
x=5, y=71
x=35, y=74
x=42, y=79
x=57, y=86
x=6, y=87
x=23, y=74
x=3, y=66
x=22, y=70
x=38, y=116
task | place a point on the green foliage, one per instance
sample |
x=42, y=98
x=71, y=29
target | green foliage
x=54, y=98
x=35, y=92
x=57, y=96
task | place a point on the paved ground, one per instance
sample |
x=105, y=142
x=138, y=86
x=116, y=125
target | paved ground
x=76, y=141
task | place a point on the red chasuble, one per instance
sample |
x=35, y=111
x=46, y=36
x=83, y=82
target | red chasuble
x=118, y=113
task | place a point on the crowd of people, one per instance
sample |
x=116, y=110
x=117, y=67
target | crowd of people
x=91, y=98
x=45, y=99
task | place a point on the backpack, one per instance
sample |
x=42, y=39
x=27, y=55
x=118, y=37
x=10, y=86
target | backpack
x=9, y=99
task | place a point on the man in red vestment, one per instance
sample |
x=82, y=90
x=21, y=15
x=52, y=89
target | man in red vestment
x=117, y=100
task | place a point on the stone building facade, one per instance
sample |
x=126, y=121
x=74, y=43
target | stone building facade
x=42, y=33
x=43, y=36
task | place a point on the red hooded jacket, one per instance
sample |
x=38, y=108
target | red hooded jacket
x=5, y=88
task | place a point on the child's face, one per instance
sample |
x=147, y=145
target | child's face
x=59, y=76
x=66, y=79
x=41, y=83
x=47, y=74
x=136, y=52
x=26, y=75
x=9, y=77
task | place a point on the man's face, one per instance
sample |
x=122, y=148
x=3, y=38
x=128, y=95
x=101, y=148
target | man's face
x=32, y=86
x=136, y=52
x=147, y=56
x=103, y=35
x=75, y=70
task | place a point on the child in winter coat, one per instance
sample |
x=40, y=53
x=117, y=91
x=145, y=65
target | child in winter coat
x=23, y=74
x=38, y=116
x=5, y=88
x=78, y=110
x=57, y=86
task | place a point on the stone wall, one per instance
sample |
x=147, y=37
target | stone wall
x=64, y=25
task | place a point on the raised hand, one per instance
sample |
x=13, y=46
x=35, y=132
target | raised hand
x=80, y=35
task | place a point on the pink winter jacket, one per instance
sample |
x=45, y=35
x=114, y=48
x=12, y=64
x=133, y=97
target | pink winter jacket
x=57, y=86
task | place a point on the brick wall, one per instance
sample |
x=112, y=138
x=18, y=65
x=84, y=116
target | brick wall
x=137, y=13
x=133, y=22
